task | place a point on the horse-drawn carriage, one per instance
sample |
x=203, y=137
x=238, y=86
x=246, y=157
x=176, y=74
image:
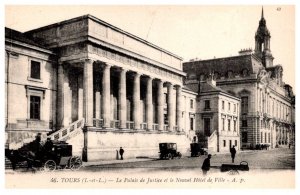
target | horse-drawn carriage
x=47, y=157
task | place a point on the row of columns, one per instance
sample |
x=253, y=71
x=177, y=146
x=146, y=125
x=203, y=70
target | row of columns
x=282, y=136
x=88, y=93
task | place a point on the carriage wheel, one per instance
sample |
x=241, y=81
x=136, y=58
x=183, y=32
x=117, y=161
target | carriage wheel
x=169, y=156
x=75, y=163
x=50, y=165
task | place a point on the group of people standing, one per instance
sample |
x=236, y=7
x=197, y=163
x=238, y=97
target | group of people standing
x=206, y=163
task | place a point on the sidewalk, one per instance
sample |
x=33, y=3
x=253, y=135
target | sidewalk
x=108, y=162
x=113, y=162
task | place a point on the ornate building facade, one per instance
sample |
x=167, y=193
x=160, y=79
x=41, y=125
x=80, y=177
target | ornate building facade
x=87, y=74
x=267, y=103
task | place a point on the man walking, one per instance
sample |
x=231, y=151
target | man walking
x=206, y=165
x=121, y=152
x=233, y=152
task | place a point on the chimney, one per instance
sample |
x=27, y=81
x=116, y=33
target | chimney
x=245, y=51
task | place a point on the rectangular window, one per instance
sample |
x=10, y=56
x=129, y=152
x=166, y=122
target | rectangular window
x=261, y=136
x=230, y=143
x=223, y=124
x=224, y=143
x=35, y=107
x=35, y=70
x=269, y=138
x=244, y=137
x=265, y=137
x=228, y=125
x=228, y=106
x=192, y=123
x=234, y=108
x=244, y=123
x=223, y=105
x=244, y=104
x=234, y=125
x=191, y=103
x=207, y=104
x=207, y=126
x=235, y=143
x=166, y=98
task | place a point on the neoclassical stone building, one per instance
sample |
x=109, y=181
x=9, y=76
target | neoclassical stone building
x=96, y=86
x=267, y=103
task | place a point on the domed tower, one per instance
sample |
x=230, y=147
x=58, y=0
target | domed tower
x=262, y=42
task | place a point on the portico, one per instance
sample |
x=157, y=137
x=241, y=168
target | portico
x=112, y=97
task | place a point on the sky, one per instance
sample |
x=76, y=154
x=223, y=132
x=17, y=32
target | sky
x=191, y=31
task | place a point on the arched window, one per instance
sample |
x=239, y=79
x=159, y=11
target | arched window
x=202, y=77
x=230, y=74
x=216, y=75
x=245, y=72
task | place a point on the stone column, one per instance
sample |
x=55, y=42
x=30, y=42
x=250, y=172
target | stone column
x=97, y=105
x=60, y=97
x=88, y=92
x=66, y=99
x=171, y=111
x=136, y=101
x=106, y=96
x=80, y=96
x=149, y=104
x=122, y=99
x=178, y=107
x=160, y=106
x=280, y=135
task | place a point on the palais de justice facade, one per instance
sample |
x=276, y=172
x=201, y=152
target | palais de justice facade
x=96, y=86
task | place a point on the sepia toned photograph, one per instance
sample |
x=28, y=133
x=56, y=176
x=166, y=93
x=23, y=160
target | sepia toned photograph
x=149, y=96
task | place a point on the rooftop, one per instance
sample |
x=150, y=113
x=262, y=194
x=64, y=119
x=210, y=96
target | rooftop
x=88, y=16
x=238, y=63
x=18, y=36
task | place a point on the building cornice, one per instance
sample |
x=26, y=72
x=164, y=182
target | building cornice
x=97, y=20
x=39, y=49
x=135, y=55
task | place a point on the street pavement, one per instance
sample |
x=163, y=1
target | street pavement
x=268, y=169
x=275, y=159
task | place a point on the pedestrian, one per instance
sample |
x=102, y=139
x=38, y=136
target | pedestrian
x=121, y=152
x=233, y=152
x=48, y=146
x=206, y=165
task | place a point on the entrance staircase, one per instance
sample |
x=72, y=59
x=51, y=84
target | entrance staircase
x=66, y=133
x=212, y=142
x=73, y=135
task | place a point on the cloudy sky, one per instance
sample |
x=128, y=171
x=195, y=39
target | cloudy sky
x=190, y=31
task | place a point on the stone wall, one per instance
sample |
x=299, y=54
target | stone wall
x=20, y=86
x=102, y=145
